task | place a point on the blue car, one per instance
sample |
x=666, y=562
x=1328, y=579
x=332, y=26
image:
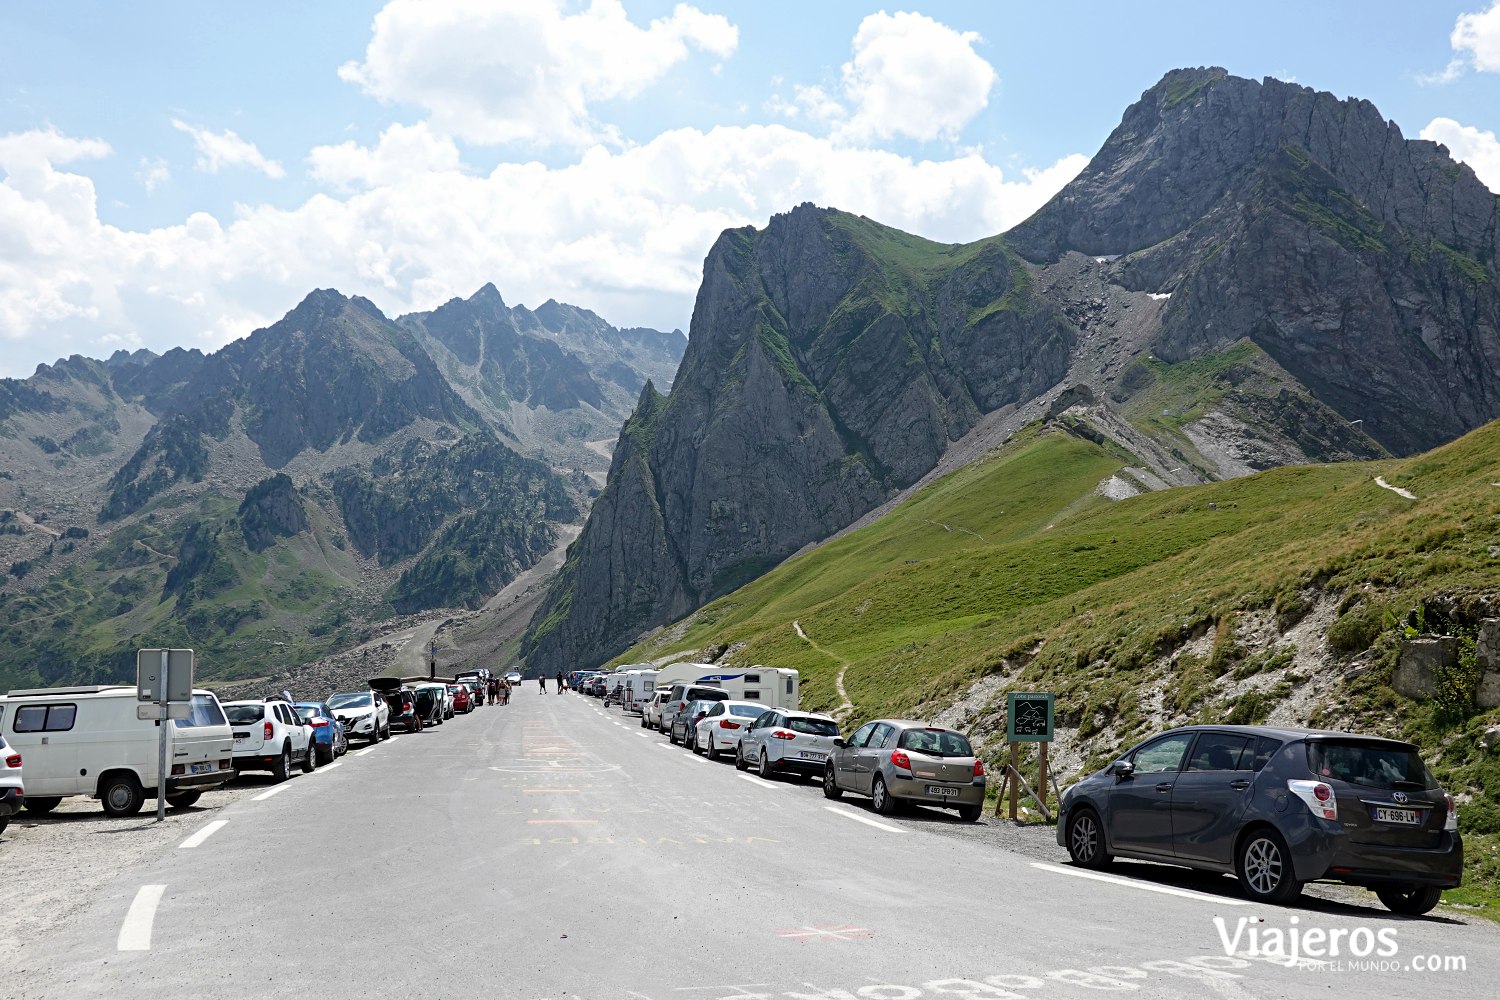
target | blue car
x=329, y=738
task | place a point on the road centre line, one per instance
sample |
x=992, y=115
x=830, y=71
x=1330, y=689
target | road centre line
x=204, y=834
x=135, y=932
x=542, y=822
x=269, y=792
x=759, y=781
x=533, y=791
x=864, y=819
x=1137, y=884
x=361, y=753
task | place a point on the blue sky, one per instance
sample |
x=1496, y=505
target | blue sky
x=181, y=173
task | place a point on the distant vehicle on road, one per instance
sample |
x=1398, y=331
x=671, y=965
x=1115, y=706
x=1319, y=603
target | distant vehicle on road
x=1278, y=808
x=514, y=676
x=269, y=735
x=722, y=724
x=364, y=714
x=329, y=738
x=774, y=687
x=779, y=741
x=87, y=740
x=897, y=761
x=463, y=698
x=12, y=788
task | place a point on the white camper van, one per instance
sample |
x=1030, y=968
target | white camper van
x=639, y=686
x=774, y=687
x=88, y=741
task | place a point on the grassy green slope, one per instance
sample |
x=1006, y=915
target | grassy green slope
x=1012, y=566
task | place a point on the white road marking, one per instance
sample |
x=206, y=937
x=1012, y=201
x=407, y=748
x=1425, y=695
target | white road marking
x=269, y=792
x=361, y=753
x=1136, y=884
x=867, y=821
x=135, y=932
x=329, y=767
x=759, y=781
x=204, y=834
x=392, y=739
x=644, y=736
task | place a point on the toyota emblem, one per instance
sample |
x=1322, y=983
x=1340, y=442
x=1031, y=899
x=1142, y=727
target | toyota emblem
x=1400, y=798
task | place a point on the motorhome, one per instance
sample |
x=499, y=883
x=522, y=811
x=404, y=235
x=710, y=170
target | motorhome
x=88, y=740
x=639, y=684
x=775, y=687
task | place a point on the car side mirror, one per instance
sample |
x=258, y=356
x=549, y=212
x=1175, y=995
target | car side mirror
x=840, y=742
x=1122, y=770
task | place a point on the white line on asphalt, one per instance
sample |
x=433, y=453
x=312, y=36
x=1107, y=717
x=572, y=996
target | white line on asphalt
x=1137, y=884
x=669, y=746
x=864, y=819
x=269, y=792
x=392, y=739
x=644, y=736
x=135, y=932
x=205, y=833
x=759, y=781
x=330, y=767
x=361, y=753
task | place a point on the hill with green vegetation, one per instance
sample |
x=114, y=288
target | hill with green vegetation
x=1279, y=597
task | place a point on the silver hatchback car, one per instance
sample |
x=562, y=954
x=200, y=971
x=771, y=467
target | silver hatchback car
x=897, y=760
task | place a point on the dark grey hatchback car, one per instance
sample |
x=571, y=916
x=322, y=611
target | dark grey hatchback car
x=1276, y=807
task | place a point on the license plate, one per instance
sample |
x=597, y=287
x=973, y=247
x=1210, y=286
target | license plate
x=940, y=790
x=242, y=736
x=204, y=768
x=811, y=754
x=1410, y=817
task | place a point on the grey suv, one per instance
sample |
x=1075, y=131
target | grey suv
x=1277, y=808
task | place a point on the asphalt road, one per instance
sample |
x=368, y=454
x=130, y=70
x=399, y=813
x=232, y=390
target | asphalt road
x=551, y=849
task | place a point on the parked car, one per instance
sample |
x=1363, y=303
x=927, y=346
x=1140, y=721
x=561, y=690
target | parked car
x=432, y=702
x=721, y=726
x=678, y=697
x=401, y=700
x=364, y=714
x=781, y=741
x=329, y=738
x=463, y=698
x=685, y=723
x=1277, y=808
x=898, y=761
x=270, y=736
x=90, y=740
x=651, y=714
x=478, y=682
x=514, y=676
x=12, y=788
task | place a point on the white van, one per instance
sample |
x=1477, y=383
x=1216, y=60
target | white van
x=639, y=687
x=774, y=687
x=88, y=741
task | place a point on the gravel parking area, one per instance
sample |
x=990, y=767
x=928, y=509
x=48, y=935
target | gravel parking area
x=53, y=863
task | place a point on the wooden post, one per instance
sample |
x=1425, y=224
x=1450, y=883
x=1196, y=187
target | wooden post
x=1041, y=781
x=1015, y=774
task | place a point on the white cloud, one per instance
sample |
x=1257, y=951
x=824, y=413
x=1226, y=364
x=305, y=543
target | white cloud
x=153, y=173
x=218, y=150
x=1476, y=45
x=1479, y=149
x=623, y=232
x=497, y=71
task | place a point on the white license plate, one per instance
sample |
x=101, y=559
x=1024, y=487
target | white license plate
x=204, y=768
x=1410, y=817
x=940, y=790
x=811, y=754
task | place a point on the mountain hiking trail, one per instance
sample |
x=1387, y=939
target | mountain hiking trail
x=845, y=705
x=1380, y=481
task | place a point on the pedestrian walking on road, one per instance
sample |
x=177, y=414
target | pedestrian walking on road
x=562, y=684
x=543, y=682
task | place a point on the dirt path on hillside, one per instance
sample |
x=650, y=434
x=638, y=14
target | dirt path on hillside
x=1380, y=481
x=845, y=706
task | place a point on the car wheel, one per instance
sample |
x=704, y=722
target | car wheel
x=42, y=804
x=763, y=766
x=969, y=814
x=739, y=758
x=1264, y=866
x=1086, y=840
x=712, y=751
x=672, y=736
x=328, y=758
x=643, y=722
x=282, y=768
x=181, y=800
x=310, y=759
x=4, y=822
x=123, y=796
x=1409, y=901
x=880, y=797
x=831, y=789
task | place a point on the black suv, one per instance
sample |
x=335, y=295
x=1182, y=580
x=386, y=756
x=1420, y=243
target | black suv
x=1277, y=808
x=403, y=701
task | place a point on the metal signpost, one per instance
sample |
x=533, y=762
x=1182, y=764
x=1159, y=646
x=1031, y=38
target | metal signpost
x=164, y=691
x=1028, y=719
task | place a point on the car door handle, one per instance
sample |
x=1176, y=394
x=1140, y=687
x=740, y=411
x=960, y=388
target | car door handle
x=1239, y=784
x=1165, y=786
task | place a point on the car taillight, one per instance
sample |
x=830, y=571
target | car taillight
x=1317, y=795
x=978, y=768
x=267, y=731
x=179, y=769
x=782, y=734
x=1451, y=823
x=901, y=760
x=406, y=706
x=225, y=765
x=318, y=723
x=726, y=724
x=14, y=760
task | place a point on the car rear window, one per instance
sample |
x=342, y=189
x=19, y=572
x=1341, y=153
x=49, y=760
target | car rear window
x=307, y=713
x=239, y=715
x=813, y=727
x=203, y=710
x=1372, y=765
x=936, y=743
x=746, y=711
x=707, y=694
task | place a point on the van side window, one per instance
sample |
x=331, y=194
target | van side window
x=752, y=696
x=44, y=718
x=752, y=678
x=788, y=685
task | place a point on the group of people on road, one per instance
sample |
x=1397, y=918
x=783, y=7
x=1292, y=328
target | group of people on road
x=562, y=683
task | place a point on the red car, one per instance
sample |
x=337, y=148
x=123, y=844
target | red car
x=462, y=702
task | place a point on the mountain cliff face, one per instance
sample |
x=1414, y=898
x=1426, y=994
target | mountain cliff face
x=1247, y=274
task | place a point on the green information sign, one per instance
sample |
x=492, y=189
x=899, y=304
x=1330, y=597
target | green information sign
x=1028, y=718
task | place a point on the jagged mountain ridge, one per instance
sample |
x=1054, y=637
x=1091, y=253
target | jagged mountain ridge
x=1217, y=296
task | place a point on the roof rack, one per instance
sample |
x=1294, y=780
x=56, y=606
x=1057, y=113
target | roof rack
x=74, y=689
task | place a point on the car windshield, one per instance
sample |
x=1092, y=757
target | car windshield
x=813, y=727
x=746, y=711
x=1372, y=765
x=936, y=743
x=307, y=712
x=353, y=700
x=241, y=714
